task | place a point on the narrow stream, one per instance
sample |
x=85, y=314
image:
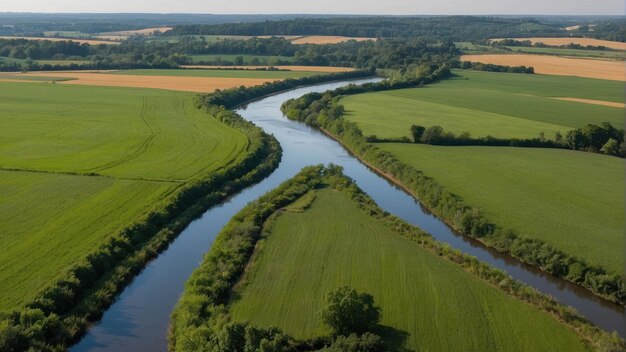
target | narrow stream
x=138, y=320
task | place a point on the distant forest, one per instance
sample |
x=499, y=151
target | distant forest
x=455, y=28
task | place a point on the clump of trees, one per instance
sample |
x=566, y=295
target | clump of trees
x=479, y=66
x=604, y=139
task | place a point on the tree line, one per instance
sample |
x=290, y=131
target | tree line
x=456, y=28
x=604, y=139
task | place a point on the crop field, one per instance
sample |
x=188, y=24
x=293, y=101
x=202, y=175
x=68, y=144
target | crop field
x=597, y=54
x=497, y=104
x=469, y=48
x=201, y=81
x=326, y=39
x=321, y=69
x=433, y=303
x=239, y=74
x=143, y=32
x=583, y=193
x=553, y=65
x=78, y=164
x=579, y=41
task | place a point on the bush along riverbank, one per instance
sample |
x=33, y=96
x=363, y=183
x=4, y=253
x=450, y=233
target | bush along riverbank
x=201, y=320
x=323, y=111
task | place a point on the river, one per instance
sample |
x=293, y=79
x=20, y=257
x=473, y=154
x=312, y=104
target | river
x=139, y=318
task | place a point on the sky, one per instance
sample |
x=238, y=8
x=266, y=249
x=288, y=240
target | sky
x=385, y=7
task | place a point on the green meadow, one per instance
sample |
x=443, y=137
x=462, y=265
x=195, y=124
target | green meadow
x=220, y=73
x=571, y=200
x=429, y=303
x=80, y=163
x=469, y=48
x=498, y=104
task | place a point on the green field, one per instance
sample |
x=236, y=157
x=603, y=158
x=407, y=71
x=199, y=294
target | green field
x=572, y=200
x=482, y=103
x=220, y=73
x=437, y=305
x=247, y=59
x=469, y=48
x=144, y=144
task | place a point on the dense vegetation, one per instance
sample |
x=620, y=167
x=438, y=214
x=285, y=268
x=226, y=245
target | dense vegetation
x=35, y=24
x=456, y=28
x=159, y=54
x=324, y=111
x=286, y=220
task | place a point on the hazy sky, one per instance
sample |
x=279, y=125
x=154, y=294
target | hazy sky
x=397, y=7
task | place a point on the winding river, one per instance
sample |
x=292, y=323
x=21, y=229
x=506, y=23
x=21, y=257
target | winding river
x=138, y=320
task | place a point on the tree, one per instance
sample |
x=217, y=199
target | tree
x=417, y=132
x=239, y=60
x=595, y=136
x=575, y=139
x=348, y=311
x=611, y=147
x=367, y=342
x=433, y=135
x=558, y=137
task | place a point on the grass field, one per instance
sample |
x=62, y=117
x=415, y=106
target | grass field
x=144, y=143
x=496, y=104
x=437, y=305
x=469, y=48
x=262, y=74
x=247, y=59
x=572, y=200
